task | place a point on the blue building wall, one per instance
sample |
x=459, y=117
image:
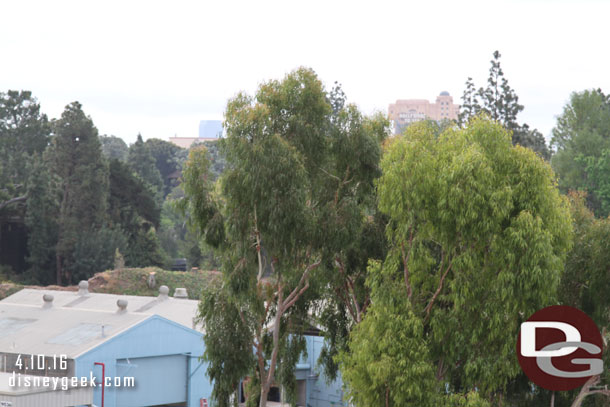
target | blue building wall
x=319, y=392
x=162, y=355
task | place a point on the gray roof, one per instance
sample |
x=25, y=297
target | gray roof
x=30, y=329
x=72, y=323
x=180, y=310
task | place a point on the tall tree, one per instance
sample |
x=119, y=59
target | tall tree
x=585, y=285
x=288, y=205
x=41, y=221
x=478, y=234
x=114, y=148
x=470, y=104
x=168, y=159
x=83, y=182
x=23, y=131
x=582, y=142
x=144, y=165
x=134, y=210
x=500, y=102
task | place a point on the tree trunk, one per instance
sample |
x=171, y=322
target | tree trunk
x=58, y=268
x=12, y=201
x=586, y=391
x=264, y=393
x=387, y=396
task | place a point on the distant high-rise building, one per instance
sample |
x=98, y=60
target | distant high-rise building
x=208, y=130
x=404, y=112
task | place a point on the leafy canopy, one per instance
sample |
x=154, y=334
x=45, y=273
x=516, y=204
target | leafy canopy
x=478, y=234
x=582, y=141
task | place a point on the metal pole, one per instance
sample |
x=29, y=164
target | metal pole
x=103, y=379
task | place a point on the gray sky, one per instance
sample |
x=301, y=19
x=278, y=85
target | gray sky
x=160, y=67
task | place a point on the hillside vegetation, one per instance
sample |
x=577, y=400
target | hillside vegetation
x=132, y=281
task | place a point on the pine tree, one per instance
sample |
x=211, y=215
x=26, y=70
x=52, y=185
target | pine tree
x=470, y=104
x=23, y=131
x=143, y=164
x=41, y=221
x=501, y=103
x=83, y=180
x=499, y=100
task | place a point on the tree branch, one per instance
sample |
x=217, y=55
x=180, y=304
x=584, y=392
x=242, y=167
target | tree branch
x=440, y=285
x=405, y=261
x=297, y=290
x=12, y=201
x=351, y=300
x=586, y=391
x=258, y=248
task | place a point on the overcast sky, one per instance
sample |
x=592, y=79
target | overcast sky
x=159, y=67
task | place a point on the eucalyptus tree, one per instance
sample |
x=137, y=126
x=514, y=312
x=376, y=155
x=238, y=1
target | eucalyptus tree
x=300, y=166
x=477, y=236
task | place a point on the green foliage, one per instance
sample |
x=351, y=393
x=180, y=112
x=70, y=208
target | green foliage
x=133, y=281
x=131, y=200
x=585, y=282
x=23, y=128
x=228, y=351
x=24, y=131
x=200, y=207
x=297, y=188
x=582, y=141
x=500, y=102
x=215, y=156
x=114, y=148
x=478, y=236
x=168, y=159
x=41, y=221
x=145, y=249
x=142, y=162
x=94, y=252
x=388, y=362
x=471, y=399
x=83, y=185
x=133, y=209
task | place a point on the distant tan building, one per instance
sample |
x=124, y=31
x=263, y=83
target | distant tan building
x=404, y=112
x=184, y=142
x=209, y=130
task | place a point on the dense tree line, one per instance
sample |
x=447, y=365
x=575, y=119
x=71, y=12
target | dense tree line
x=418, y=256
x=79, y=197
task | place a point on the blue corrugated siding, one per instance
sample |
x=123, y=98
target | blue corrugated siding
x=320, y=393
x=161, y=343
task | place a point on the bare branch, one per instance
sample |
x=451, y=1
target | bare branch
x=586, y=390
x=297, y=290
x=12, y=201
x=329, y=174
x=258, y=247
